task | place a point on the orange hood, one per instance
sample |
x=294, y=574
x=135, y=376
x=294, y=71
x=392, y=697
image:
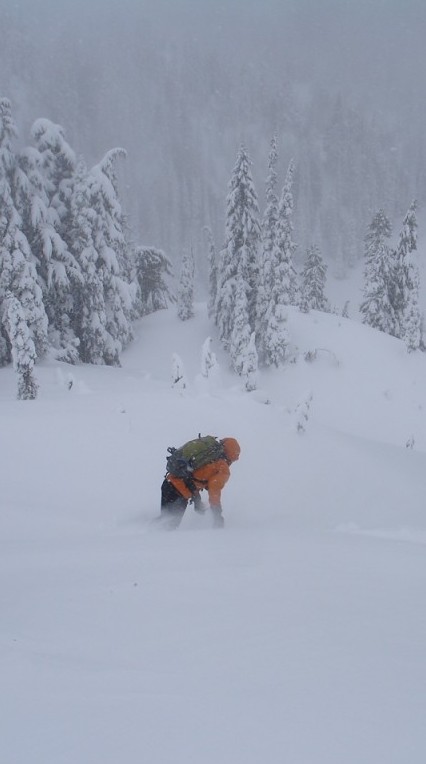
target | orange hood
x=232, y=449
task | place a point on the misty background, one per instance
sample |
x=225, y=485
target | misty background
x=181, y=83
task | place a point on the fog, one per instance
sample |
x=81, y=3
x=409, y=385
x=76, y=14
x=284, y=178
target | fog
x=180, y=83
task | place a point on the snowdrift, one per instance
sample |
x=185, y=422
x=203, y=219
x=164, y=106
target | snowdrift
x=297, y=634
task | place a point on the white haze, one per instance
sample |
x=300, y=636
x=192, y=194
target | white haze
x=179, y=84
x=298, y=634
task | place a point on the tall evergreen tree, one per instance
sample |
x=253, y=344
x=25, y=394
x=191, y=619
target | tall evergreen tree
x=314, y=277
x=17, y=272
x=208, y=358
x=89, y=318
x=408, y=281
x=240, y=336
x=250, y=365
x=270, y=217
x=268, y=236
x=213, y=275
x=376, y=308
x=58, y=163
x=275, y=338
x=238, y=270
x=412, y=315
x=22, y=348
x=281, y=285
x=53, y=236
x=57, y=269
x=185, y=296
x=284, y=274
x=113, y=253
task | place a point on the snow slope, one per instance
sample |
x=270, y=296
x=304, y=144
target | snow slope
x=297, y=634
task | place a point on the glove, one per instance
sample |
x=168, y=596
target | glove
x=218, y=521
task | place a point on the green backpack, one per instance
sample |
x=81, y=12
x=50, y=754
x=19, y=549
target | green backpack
x=183, y=461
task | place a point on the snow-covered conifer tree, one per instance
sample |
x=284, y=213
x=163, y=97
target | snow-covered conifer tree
x=152, y=267
x=89, y=318
x=376, y=308
x=314, y=276
x=268, y=234
x=113, y=254
x=17, y=272
x=238, y=268
x=213, y=276
x=22, y=348
x=58, y=163
x=275, y=335
x=250, y=365
x=410, y=319
x=185, y=295
x=285, y=287
x=270, y=215
x=412, y=313
x=240, y=336
x=282, y=286
x=208, y=358
x=57, y=269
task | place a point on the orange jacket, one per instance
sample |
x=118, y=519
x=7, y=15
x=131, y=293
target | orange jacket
x=212, y=477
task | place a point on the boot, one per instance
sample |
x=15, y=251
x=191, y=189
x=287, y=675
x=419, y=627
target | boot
x=218, y=521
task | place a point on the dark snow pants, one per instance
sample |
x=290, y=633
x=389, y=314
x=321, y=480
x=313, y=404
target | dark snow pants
x=173, y=504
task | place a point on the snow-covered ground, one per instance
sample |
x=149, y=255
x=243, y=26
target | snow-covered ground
x=297, y=634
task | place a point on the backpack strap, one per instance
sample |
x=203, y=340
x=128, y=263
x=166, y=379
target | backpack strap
x=190, y=485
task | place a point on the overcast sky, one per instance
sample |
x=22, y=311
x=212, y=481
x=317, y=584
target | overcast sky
x=146, y=74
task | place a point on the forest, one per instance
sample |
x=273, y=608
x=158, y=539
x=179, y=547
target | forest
x=94, y=235
x=181, y=84
x=72, y=282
